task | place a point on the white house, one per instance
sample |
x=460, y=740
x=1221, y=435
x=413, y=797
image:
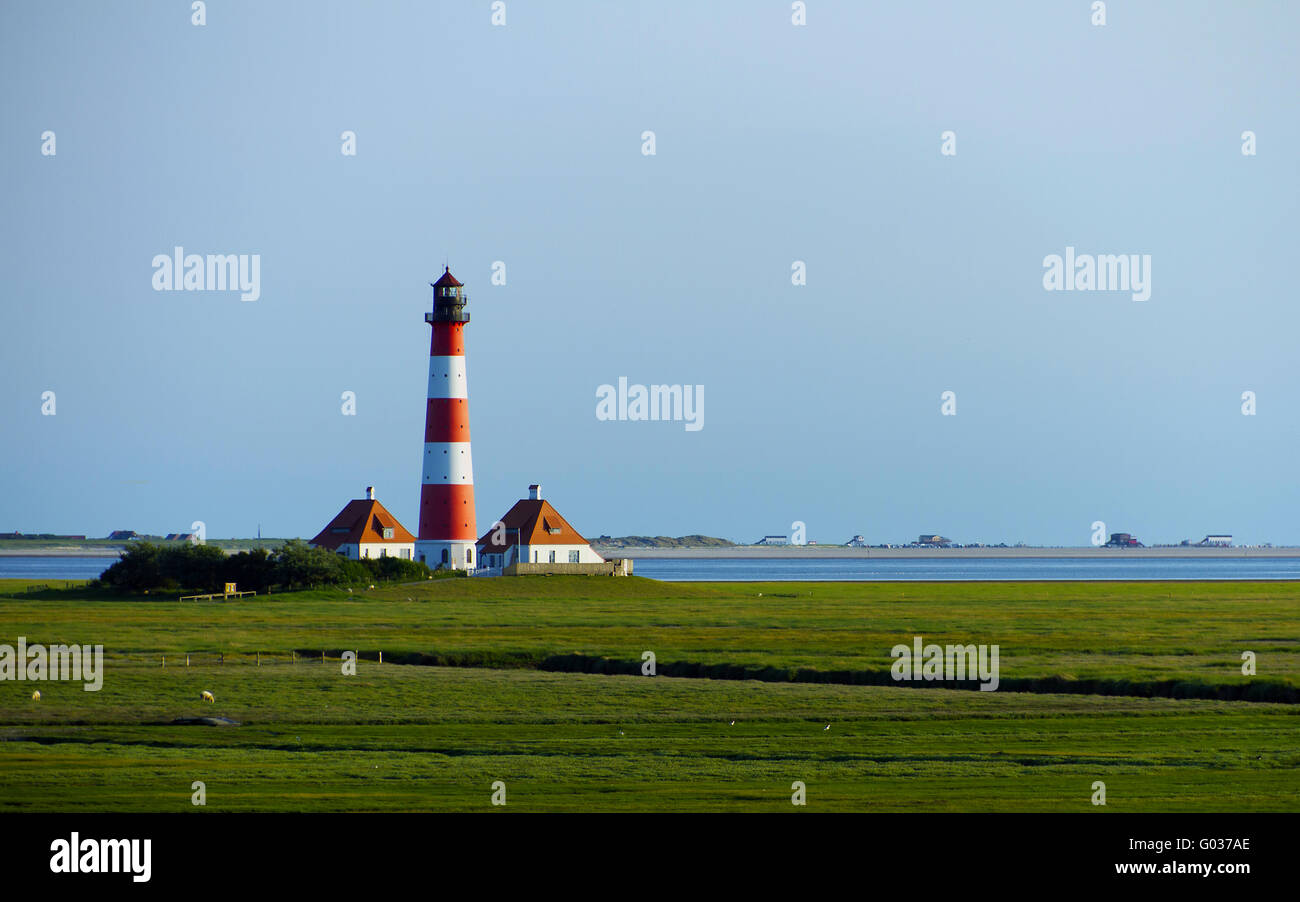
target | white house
x=365, y=529
x=533, y=532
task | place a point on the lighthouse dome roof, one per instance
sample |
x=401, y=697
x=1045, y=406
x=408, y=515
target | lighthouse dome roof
x=447, y=280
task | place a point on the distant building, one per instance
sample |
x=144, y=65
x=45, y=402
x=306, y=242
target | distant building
x=856, y=542
x=773, y=540
x=123, y=535
x=181, y=537
x=1220, y=541
x=1123, y=540
x=936, y=540
x=365, y=529
x=533, y=532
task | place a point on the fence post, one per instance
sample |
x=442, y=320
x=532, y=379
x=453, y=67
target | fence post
x=221, y=658
x=187, y=659
x=164, y=660
x=259, y=659
x=322, y=656
x=381, y=657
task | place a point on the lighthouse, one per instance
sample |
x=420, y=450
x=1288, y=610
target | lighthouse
x=447, y=527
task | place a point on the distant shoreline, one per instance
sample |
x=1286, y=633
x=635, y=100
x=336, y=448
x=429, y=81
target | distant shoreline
x=822, y=552
x=62, y=552
x=802, y=552
x=12, y=548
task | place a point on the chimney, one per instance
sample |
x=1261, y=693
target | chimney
x=534, y=493
x=370, y=492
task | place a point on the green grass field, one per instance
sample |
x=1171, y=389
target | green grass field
x=434, y=738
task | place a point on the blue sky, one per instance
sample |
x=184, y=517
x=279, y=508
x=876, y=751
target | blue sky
x=774, y=143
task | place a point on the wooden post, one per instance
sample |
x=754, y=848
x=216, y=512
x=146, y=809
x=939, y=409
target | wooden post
x=164, y=660
x=259, y=659
x=322, y=656
x=221, y=658
x=187, y=659
x=294, y=658
x=381, y=657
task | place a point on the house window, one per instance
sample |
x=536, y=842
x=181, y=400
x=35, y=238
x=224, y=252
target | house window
x=552, y=557
x=573, y=557
x=446, y=556
x=383, y=552
x=388, y=532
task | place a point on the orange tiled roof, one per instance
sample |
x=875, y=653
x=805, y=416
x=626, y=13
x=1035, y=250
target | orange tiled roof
x=362, y=521
x=537, y=523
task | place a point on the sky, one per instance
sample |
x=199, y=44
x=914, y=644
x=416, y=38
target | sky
x=522, y=144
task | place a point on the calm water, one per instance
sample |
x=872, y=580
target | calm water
x=921, y=569
x=54, y=567
x=808, y=569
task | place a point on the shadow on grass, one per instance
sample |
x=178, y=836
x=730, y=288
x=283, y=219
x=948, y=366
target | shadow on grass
x=1273, y=691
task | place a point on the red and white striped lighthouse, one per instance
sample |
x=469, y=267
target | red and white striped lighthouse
x=447, y=526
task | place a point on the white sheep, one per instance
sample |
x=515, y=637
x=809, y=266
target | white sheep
x=207, y=696
x=36, y=696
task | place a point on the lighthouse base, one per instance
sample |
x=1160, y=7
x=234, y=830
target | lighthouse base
x=447, y=555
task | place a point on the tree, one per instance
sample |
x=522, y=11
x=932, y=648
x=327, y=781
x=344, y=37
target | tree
x=297, y=564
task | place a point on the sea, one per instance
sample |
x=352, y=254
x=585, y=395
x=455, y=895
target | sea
x=843, y=569
x=1061, y=569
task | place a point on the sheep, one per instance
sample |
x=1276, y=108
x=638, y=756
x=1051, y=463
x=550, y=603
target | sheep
x=36, y=696
x=207, y=696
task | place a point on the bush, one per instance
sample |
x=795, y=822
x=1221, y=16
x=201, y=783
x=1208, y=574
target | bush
x=254, y=570
x=394, y=568
x=297, y=564
x=146, y=566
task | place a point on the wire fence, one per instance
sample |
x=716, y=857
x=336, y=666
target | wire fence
x=241, y=659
